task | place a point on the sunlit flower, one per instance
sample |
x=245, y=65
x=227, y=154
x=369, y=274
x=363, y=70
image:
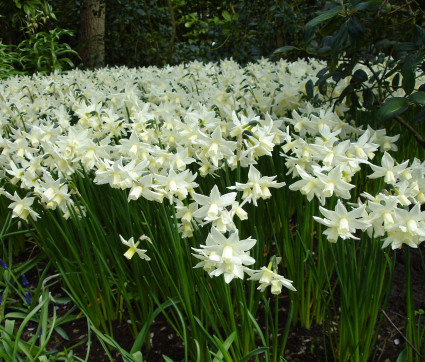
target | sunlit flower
x=342, y=223
x=257, y=187
x=388, y=170
x=225, y=256
x=212, y=205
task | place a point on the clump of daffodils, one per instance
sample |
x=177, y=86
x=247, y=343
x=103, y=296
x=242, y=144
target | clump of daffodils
x=325, y=161
x=154, y=132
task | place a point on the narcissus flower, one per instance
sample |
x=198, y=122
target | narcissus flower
x=267, y=277
x=21, y=207
x=225, y=256
x=342, y=223
x=388, y=170
x=133, y=247
x=257, y=187
x=213, y=205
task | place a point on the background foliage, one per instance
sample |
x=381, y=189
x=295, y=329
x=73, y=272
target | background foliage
x=158, y=32
x=31, y=39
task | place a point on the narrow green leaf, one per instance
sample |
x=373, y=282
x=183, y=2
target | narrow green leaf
x=62, y=333
x=137, y=345
x=253, y=353
x=104, y=338
x=323, y=17
x=223, y=347
x=392, y=107
x=229, y=340
x=257, y=328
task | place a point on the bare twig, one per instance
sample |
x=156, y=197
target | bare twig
x=418, y=137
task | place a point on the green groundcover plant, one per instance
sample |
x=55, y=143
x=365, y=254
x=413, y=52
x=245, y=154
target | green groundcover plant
x=174, y=191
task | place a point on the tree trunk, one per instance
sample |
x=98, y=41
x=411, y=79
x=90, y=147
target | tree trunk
x=92, y=33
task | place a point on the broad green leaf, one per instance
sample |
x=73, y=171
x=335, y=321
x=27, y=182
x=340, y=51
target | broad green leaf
x=359, y=77
x=284, y=49
x=355, y=100
x=420, y=117
x=322, y=72
x=227, y=16
x=368, y=5
x=368, y=98
x=138, y=357
x=323, y=17
x=408, y=82
x=396, y=80
x=392, y=107
x=323, y=87
x=329, y=28
x=418, y=97
x=337, y=76
x=309, y=88
x=412, y=60
x=402, y=357
x=340, y=38
x=405, y=47
x=420, y=35
x=344, y=93
x=355, y=27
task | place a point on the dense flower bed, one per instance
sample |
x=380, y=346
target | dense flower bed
x=155, y=132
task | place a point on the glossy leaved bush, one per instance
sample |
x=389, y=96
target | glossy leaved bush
x=357, y=35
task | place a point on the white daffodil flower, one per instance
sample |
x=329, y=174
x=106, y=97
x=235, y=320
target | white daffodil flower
x=257, y=186
x=342, y=223
x=388, y=170
x=227, y=256
x=133, y=247
x=266, y=277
